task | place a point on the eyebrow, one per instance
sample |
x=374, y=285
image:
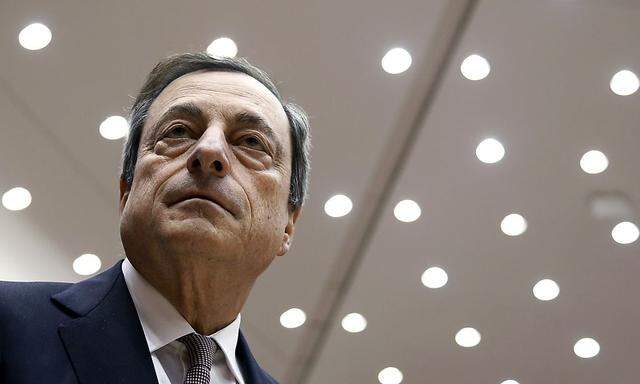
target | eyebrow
x=188, y=110
x=192, y=111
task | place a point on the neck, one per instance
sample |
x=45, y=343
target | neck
x=209, y=297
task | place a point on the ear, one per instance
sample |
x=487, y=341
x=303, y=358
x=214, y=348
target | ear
x=288, y=232
x=124, y=193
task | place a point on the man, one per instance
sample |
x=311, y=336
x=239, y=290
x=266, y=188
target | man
x=214, y=177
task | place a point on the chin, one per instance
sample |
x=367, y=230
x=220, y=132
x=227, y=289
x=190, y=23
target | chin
x=191, y=229
x=193, y=234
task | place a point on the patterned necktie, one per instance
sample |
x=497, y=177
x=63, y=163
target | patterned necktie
x=200, y=350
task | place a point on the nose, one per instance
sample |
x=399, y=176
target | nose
x=209, y=156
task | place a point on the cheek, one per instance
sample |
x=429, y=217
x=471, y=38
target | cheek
x=269, y=207
x=271, y=197
x=149, y=173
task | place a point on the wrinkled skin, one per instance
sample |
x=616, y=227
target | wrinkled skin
x=204, y=254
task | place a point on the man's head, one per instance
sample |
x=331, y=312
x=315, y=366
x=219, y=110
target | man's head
x=215, y=168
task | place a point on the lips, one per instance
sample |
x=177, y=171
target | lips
x=200, y=197
x=204, y=196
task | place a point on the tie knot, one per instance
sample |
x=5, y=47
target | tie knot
x=200, y=349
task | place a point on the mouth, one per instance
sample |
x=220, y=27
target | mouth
x=201, y=199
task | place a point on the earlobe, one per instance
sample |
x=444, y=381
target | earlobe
x=286, y=244
x=288, y=232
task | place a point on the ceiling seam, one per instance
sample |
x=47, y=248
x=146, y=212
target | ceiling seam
x=415, y=109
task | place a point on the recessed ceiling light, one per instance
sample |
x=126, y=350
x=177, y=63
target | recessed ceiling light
x=396, y=60
x=407, y=211
x=513, y=224
x=594, y=162
x=338, y=206
x=16, y=199
x=434, y=277
x=35, y=36
x=222, y=47
x=87, y=264
x=546, y=290
x=586, y=348
x=354, y=323
x=509, y=381
x=625, y=233
x=475, y=67
x=490, y=151
x=390, y=375
x=293, y=318
x=114, y=127
x=624, y=83
x=468, y=337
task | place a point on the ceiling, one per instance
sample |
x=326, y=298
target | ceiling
x=378, y=138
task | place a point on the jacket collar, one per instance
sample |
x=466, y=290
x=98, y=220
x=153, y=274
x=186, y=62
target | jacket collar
x=104, y=338
x=251, y=371
x=105, y=341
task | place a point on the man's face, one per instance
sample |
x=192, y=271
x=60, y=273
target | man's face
x=211, y=182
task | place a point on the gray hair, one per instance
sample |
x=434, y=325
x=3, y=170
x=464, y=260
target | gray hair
x=175, y=66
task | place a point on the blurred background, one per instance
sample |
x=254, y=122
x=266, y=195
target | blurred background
x=474, y=205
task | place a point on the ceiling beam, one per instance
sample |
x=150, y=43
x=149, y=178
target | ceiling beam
x=414, y=111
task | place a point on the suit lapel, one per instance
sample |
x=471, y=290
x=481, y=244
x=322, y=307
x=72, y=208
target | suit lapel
x=105, y=341
x=251, y=371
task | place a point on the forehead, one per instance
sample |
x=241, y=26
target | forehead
x=223, y=91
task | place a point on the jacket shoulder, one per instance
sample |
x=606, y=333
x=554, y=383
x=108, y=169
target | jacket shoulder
x=16, y=297
x=22, y=304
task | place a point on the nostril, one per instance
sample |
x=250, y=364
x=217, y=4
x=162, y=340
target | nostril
x=196, y=163
x=217, y=165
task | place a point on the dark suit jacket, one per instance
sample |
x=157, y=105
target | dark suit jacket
x=86, y=333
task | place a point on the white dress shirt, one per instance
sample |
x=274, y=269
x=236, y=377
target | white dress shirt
x=163, y=325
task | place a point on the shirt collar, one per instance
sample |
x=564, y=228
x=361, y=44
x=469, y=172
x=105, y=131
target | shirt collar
x=162, y=323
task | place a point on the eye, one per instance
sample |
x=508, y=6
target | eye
x=177, y=131
x=253, y=142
